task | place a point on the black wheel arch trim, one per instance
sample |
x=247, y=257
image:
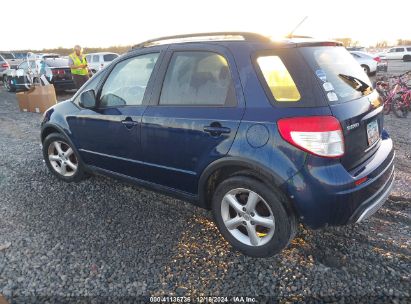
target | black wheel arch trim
x=61, y=131
x=263, y=173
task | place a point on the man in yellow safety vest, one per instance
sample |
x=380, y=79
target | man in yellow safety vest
x=78, y=66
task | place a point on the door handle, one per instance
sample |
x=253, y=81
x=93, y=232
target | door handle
x=129, y=123
x=216, y=130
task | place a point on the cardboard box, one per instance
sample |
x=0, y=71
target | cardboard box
x=23, y=100
x=40, y=98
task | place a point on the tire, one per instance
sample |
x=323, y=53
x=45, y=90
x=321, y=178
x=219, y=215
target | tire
x=387, y=108
x=406, y=58
x=270, y=207
x=8, y=85
x=399, y=109
x=73, y=167
x=366, y=69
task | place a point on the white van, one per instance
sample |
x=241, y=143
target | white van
x=402, y=52
x=97, y=61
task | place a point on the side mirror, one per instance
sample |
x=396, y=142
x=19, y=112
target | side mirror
x=88, y=99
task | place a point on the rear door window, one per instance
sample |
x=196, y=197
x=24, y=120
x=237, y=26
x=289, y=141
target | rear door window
x=198, y=78
x=339, y=74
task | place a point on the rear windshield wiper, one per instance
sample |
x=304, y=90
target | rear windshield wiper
x=356, y=83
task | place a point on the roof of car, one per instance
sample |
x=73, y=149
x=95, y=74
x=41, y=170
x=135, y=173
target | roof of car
x=224, y=37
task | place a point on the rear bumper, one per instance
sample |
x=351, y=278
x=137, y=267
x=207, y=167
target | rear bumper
x=324, y=192
x=64, y=84
x=371, y=205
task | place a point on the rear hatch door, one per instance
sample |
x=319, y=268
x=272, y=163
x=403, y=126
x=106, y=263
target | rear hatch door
x=352, y=100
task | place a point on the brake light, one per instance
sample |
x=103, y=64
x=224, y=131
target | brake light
x=57, y=72
x=378, y=59
x=361, y=180
x=5, y=65
x=318, y=135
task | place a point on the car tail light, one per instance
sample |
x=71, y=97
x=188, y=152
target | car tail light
x=5, y=65
x=361, y=181
x=57, y=72
x=318, y=135
x=378, y=59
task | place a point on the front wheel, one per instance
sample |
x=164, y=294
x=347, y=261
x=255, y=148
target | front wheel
x=253, y=217
x=399, y=108
x=61, y=159
x=8, y=84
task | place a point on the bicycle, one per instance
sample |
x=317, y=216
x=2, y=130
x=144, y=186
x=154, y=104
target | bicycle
x=396, y=97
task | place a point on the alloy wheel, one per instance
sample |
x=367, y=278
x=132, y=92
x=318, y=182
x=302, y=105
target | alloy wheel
x=248, y=217
x=6, y=83
x=62, y=158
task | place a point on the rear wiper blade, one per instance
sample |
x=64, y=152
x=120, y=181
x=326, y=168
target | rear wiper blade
x=356, y=83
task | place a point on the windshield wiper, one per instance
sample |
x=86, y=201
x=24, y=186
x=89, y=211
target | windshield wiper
x=356, y=83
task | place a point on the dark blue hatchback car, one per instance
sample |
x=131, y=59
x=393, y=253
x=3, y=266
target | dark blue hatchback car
x=264, y=133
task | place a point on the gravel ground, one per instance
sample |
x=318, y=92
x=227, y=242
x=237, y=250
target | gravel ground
x=102, y=239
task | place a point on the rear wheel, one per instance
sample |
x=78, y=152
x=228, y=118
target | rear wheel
x=61, y=159
x=8, y=84
x=366, y=69
x=252, y=217
x=406, y=58
x=399, y=108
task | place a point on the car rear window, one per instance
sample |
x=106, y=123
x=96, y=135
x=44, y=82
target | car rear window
x=57, y=62
x=109, y=57
x=278, y=78
x=7, y=55
x=339, y=74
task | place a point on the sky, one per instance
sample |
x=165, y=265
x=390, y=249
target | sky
x=53, y=23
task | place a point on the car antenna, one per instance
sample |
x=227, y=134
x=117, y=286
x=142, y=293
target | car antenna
x=290, y=35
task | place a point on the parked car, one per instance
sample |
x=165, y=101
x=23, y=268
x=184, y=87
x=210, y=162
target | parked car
x=12, y=61
x=20, y=55
x=97, y=61
x=367, y=61
x=399, y=52
x=3, y=64
x=55, y=70
x=265, y=134
x=356, y=48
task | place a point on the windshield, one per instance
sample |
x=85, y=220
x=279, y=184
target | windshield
x=340, y=75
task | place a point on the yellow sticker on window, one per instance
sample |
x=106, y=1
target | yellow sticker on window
x=279, y=80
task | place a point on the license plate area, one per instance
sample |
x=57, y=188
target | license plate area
x=373, y=133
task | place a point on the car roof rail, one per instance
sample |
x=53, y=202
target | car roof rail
x=200, y=37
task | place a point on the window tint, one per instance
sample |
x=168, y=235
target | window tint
x=399, y=50
x=127, y=82
x=197, y=78
x=96, y=58
x=109, y=57
x=409, y=49
x=278, y=79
